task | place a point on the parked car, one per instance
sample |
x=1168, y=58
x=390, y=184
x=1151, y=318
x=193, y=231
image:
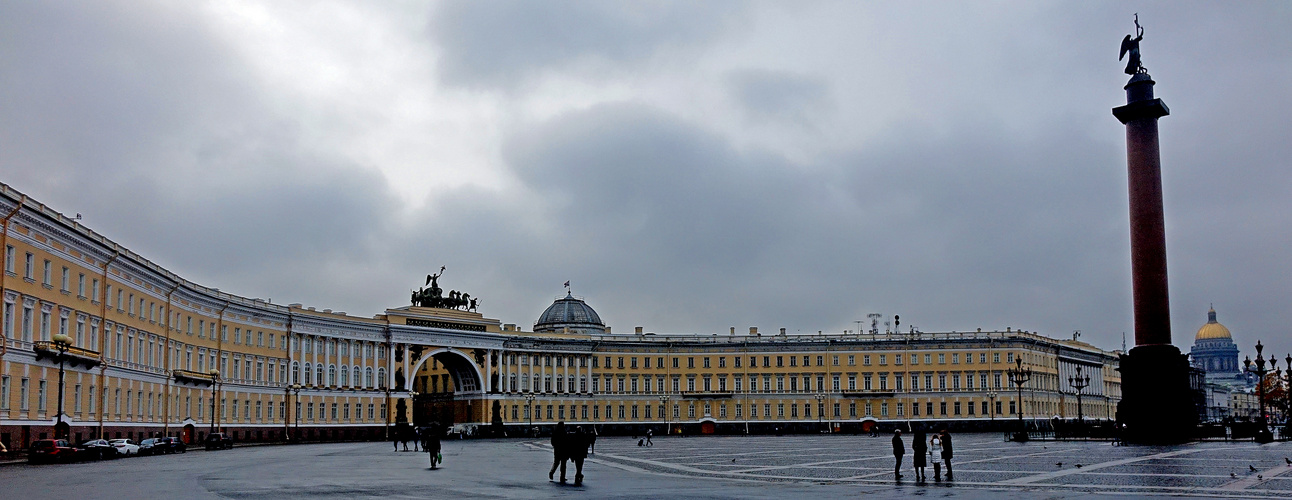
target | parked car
x=149, y=447
x=462, y=431
x=51, y=450
x=124, y=447
x=218, y=441
x=97, y=449
x=171, y=445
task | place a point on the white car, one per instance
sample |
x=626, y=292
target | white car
x=124, y=447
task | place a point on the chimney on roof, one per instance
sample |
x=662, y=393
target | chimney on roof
x=753, y=330
x=637, y=330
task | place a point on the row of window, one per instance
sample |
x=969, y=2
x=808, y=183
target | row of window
x=796, y=410
x=767, y=360
x=631, y=384
x=345, y=376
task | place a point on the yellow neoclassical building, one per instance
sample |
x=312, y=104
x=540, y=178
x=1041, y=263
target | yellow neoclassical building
x=144, y=352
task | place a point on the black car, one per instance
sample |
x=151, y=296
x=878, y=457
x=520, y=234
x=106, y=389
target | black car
x=171, y=445
x=97, y=449
x=149, y=447
x=218, y=441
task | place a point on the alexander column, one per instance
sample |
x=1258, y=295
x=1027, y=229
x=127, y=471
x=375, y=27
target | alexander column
x=1157, y=404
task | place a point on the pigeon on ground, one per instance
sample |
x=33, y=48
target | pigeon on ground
x=1080, y=466
x=733, y=460
x=1232, y=475
x=1260, y=477
x=1253, y=469
x=1060, y=464
x=1289, y=462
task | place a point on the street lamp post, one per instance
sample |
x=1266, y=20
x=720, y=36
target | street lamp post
x=296, y=419
x=1019, y=376
x=529, y=403
x=1079, y=383
x=820, y=407
x=992, y=410
x=1263, y=435
x=215, y=387
x=663, y=400
x=61, y=343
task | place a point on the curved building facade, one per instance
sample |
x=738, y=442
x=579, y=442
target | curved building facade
x=152, y=353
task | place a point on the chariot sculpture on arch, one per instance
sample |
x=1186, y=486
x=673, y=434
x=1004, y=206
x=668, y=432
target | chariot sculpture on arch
x=431, y=295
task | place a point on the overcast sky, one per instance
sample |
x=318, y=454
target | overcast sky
x=687, y=166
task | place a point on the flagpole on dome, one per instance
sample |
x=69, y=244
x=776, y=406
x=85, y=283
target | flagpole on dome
x=567, y=288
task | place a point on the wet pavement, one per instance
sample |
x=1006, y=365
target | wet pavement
x=759, y=467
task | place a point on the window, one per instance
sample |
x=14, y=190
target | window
x=48, y=270
x=4, y=392
x=852, y=360
x=865, y=360
x=1009, y=357
x=66, y=275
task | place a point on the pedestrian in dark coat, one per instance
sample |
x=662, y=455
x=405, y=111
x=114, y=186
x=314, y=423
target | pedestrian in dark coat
x=919, y=453
x=560, y=451
x=899, y=449
x=431, y=442
x=946, y=451
x=577, y=444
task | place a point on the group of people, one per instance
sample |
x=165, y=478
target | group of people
x=570, y=446
x=428, y=437
x=938, y=446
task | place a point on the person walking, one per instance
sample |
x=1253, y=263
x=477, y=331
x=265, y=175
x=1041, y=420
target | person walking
x=559, y=451
x=899, y=449
x=935, y=452
x=431, y=442
x=946, y=451
x=649, y=433
x=592, y=440
x=578, y=452
x=415, y=434
x=919, y=453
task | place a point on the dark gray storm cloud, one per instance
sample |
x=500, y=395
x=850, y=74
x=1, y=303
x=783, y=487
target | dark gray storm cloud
x=501, y=43
x=729, y=165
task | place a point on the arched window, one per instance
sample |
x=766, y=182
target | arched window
x=511, y=383
x=345, y=376
x=331, y=375
x=367, y=377
x=309, y=374
x=318, y=374
x=296, y=372
x=524, y=382
x=356, y=379
x=381, y=378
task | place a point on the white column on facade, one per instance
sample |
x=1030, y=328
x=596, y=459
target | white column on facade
x=566, y=376
x=488, y=381
x=504, y=371
x=532, y=371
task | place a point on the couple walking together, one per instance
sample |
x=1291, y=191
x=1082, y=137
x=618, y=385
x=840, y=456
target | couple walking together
x=570, y=446
x=939, y=446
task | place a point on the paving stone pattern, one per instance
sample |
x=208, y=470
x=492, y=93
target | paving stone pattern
x=981, y=461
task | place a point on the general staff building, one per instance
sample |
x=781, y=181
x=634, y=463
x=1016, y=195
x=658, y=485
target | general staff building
x=145, y=352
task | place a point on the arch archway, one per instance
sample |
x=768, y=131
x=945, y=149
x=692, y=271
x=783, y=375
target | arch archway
x=442, y=402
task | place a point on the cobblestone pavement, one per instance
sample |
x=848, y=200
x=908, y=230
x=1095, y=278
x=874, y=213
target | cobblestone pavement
x=715, y=467
x=1213, y=469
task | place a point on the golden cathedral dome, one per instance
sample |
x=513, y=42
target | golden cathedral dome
x=1212, y=330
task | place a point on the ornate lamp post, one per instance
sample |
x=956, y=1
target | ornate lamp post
x=215, y=387
x=61, y=343
x=296, y=391
x=1263, y=434
x=1019, y=376
x=992, y=410
x=1079, y=383
x=529, y=403
x=668, y=427
x=820, y=406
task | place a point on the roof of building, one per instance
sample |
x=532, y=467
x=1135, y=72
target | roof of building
x=572, y=313
x=1213, y=330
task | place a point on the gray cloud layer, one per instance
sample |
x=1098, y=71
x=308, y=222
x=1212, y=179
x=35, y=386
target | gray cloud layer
x=775, y=167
